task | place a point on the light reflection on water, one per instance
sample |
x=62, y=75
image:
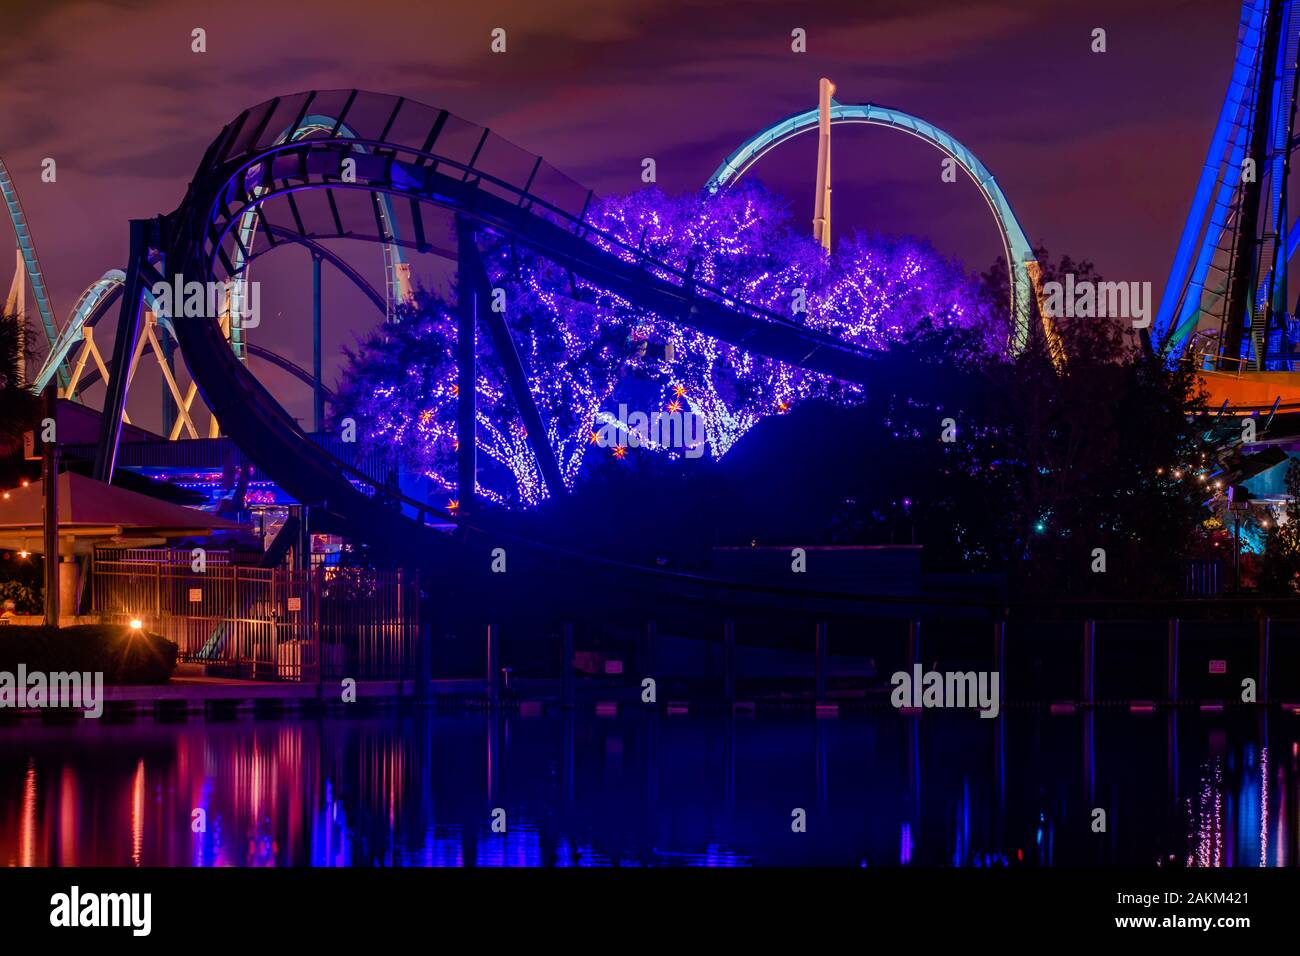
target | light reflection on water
x=645, y=790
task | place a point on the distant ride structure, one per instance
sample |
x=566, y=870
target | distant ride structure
x=1225, y=306
x=317, y=166
x=1022, y=265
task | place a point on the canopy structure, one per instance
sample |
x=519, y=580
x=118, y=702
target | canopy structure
x=91, y=512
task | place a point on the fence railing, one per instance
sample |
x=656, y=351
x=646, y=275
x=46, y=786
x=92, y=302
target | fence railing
x=271, y=624
x=173, y=556
x=1201, y=578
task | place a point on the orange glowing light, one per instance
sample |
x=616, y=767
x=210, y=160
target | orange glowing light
x=455, y=389
x=674, y=407
x=453, y=505
x=620, y=451
x=679, y=390
x=782, y=407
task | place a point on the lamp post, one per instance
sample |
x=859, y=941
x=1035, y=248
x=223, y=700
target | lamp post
x=1238, y=508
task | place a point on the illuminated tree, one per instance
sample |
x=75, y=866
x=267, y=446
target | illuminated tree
x=588, y=350
x=1280, y=570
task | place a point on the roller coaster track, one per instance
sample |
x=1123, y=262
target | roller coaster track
x=313, y=126
x=95, y=301
x=27, y=247
x=258, y=351
x=407, y=162
x=280, y=362
x=397, y=286
x=99, y=297
x=1019, y=253
x=1198, y=284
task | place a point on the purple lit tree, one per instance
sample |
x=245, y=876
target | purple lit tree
x=588, y=350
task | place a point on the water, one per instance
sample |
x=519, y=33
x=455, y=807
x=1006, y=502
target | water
x=876, y=788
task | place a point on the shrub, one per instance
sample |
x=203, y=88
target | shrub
x=125, y=656
x=27, y=600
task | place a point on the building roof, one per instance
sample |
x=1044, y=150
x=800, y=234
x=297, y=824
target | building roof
x=93, y=509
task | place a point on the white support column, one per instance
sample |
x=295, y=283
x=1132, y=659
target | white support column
x=822, y=206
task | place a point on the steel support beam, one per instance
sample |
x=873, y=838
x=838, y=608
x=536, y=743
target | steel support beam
x=1245, y=256
x=317, y=397
x=50, y=485
x=168, y=402
x=466, y=372
x=128, y=334
x=471, y=269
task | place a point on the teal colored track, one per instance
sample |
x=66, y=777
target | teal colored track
x=27, y=247
x=95, y=300
x=1016, y=245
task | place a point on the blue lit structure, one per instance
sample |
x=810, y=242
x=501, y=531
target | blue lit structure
x=441, y=165
x=1232, y=229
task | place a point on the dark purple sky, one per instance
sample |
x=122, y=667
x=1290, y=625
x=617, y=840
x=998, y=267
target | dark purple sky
x=1098, y=152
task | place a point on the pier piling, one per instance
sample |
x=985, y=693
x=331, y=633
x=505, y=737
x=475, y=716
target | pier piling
x=729, y=661
x=821, y=658
x=1000, y=658
x=566, y=673
x=494, y=663
x=1089, y=662
x=648, y=641
x=1171, y=661
x=1265, y=647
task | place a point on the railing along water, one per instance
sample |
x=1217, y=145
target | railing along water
x=265, y=624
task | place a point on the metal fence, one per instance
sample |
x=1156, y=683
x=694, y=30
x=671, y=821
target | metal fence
x=264, y=624
x=176, y=556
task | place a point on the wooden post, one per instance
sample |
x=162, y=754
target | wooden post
x=729, y=661
x=1000, y=658
x=425, y=684
x=566, y=674
x=1089, y=662
x=1171, y=661
x=493, y=664
x=650, y=639
x=822, y=657
x=1265, y=640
